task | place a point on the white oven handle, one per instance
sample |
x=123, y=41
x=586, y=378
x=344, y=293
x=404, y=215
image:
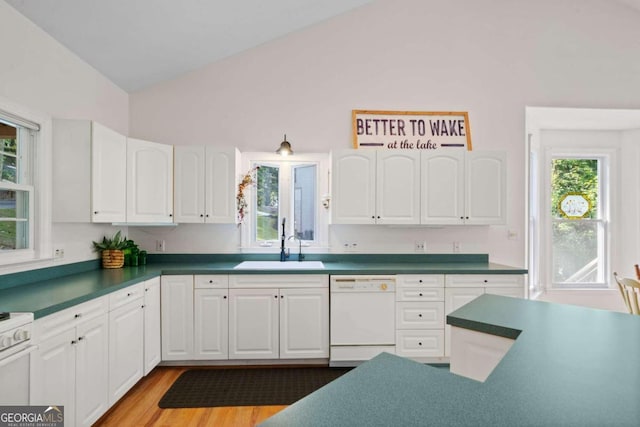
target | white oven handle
x=18, y=355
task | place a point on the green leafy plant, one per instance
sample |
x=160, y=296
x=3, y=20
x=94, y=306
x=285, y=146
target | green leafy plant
x=117, y=242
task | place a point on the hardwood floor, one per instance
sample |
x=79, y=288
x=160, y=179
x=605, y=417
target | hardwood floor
x=139, y=407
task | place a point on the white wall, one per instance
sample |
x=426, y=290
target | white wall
x=490, y=58
x=41, y=75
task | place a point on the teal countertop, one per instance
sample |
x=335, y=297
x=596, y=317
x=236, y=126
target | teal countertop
x=50, y=290
x=569, y=366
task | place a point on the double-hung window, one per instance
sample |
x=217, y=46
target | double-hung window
x=287, y=193
x=579, y=221
x=17, y=188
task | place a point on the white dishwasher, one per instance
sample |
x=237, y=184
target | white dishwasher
x=363, y=319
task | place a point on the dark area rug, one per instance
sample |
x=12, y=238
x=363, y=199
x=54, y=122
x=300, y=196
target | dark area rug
x=198, y=388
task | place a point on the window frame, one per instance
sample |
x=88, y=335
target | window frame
x=248, y=243
x=607, y=160
x=40, y=187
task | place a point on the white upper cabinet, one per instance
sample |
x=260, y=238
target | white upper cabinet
x=442, y=179
x=463, y=187
x=205, y=184
x=149, y=182
x=398, y=187
x=376, y=187
x=89, y=172
x=353, y=187
x=486, y=182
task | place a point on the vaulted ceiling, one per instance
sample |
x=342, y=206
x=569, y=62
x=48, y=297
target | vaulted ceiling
x=138, y=43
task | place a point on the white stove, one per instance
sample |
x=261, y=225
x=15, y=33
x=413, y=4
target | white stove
x=15, y=348
x=15, y=331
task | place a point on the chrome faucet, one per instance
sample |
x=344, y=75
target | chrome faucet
x=300, y=256
x=283, y=254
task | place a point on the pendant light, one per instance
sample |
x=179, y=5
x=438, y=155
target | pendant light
x=285, y=147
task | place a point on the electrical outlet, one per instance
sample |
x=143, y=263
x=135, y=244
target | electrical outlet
x=160, y=247
x=456, y=247
x=350, y=247
x=420, y=246
x=58, y=253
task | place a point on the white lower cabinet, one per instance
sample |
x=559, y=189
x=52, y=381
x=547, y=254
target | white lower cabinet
x=126, y=340
x=152, y=349
x=304, y=323
x=253, y=324
x=70, y=367
x=177, y=317
x=211, y=328
x=289, y=322
x=476, y=354
x=464, y=288
x=420, y=316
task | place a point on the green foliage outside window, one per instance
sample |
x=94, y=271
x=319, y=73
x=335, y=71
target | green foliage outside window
x=575, y=242
x=574, y=176
x=267, y=193
x=8, y=152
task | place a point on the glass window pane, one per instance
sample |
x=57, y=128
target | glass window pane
x=575, y=252
x=304, y=201
x=14, y=219
x=574, y=176
x=267, y=202
x=8, y=153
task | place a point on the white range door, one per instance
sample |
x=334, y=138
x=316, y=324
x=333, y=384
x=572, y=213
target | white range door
x=15, y=349
x=362, y=311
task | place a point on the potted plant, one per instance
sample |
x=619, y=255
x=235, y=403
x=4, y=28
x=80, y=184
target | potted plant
x=112, y=250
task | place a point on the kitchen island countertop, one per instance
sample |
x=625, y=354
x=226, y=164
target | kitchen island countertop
x=569, y=366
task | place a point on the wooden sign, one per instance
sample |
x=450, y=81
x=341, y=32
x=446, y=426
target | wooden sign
x=411, y=130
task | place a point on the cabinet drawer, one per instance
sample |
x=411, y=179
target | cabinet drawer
x=420, y=343
x=123, y=296
x=420, y=280
x=70, y=317
x=484, y=280
x=507, y=292
x=210, y=281
x=254, y=281
x=420, y=294
x=420, y=315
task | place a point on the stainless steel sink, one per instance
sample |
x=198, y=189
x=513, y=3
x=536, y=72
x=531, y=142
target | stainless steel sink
x=278, y=265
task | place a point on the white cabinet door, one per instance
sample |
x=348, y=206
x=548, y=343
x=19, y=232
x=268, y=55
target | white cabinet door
x=126, y=348
x=53, y=373
x=220, y=185
x=205, y=184
x=189, y=184
x=211, y=329
x=353, y=187
x=485, y=187
x=149, y=181
x=398, y=187
x=304, y=323
x=152, y=349
x=89, y=172
x=92, y=367
x=442, y=187
x=108, y=175
x=454, y=298
x=177, y=317
x=253, y=324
